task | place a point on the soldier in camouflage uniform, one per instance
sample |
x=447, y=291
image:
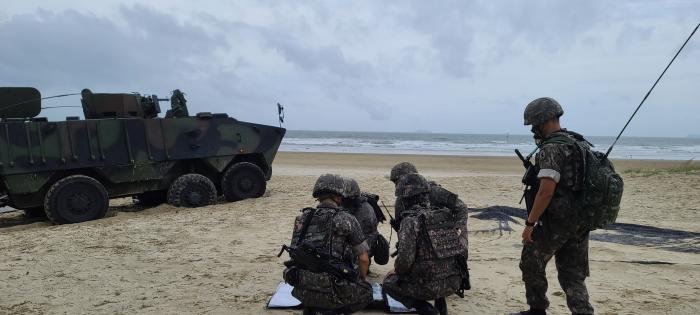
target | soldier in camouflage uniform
x=358, y=206
x=439, y=197
x=426, y=267
x=553, y=227
x=338, y=233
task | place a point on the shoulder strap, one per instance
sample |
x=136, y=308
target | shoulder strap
x=305, y=227
x=559, y=139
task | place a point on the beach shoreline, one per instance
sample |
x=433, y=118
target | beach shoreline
x=222, y=259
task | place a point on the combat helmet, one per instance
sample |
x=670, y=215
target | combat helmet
x=401, y=169
x=352, y=189
x=329, y=184
x=411, y=184
x=541, y=110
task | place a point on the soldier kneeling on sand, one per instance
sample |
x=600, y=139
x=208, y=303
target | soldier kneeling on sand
x=438, y=195
x=429, y=265
x=358, y=204
x=326, y=244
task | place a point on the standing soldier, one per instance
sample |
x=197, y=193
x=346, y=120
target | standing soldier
x=554, y=227
x=428, y=265
x=358, y=205
x=325, y=244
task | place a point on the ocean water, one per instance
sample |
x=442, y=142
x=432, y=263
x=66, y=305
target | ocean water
x=477, y=144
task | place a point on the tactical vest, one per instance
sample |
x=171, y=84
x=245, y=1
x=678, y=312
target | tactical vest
x=438, y=245
x=320, y=235
x=598, y=187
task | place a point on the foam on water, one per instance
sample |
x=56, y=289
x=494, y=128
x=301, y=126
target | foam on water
x=476, y=145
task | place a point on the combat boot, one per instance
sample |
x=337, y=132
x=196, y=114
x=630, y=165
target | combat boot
x=424, y=308
x=441, y=306
x=532, y=311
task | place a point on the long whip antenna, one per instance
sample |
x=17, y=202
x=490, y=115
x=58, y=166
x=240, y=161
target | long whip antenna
x=39, y=99
x=649, y=92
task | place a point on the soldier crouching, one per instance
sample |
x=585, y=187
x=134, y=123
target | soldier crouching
x=325, y=245
x=439, y=197
x=358, y=205
x=430, y=253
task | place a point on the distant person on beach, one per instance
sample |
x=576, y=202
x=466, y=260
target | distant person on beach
x=329, y=284
x=553, y=226
x=430, y=254
x=358, y=204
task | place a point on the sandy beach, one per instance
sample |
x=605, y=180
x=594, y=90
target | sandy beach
x=222, y=259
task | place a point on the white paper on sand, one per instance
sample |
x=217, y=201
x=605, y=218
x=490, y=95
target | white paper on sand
x=283, y=297
x=377, y=292
x=396, y=306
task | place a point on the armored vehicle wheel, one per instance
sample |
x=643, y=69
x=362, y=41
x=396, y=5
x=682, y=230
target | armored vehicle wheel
x=243, y=180
x=76, y=198
x=151, y=198
x=192, y=191
x=37, y=212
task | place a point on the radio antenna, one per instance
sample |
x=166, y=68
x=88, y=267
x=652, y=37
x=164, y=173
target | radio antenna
x=649, y=92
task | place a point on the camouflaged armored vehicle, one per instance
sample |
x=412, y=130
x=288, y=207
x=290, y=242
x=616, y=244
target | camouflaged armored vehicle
x=70, y=169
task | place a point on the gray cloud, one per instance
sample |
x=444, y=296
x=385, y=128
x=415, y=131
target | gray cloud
x=449, y=66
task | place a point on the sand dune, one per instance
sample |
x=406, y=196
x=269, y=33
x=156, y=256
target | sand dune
x=222, y=259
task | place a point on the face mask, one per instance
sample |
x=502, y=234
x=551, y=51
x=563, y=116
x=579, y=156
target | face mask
x=536, y=134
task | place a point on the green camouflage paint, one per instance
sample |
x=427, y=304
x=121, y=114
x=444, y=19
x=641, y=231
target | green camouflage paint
x=123, y=145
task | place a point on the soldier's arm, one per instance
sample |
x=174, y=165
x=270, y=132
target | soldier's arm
x=371, y=217
x=407, y=247
x=363, y=265
x=550, y=160
x=398, y=208
x=544, y=196
x=350, y=227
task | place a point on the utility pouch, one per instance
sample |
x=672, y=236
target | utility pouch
x=464, y=272
x=381, y=250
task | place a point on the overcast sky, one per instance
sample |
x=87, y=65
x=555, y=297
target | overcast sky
x=440, y=66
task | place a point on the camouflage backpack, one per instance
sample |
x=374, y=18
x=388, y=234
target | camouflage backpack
x=602, y=186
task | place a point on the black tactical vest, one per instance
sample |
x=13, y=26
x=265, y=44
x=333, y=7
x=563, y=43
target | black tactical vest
x=320, y=235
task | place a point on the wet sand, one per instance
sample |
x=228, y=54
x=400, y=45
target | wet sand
x=222, y=259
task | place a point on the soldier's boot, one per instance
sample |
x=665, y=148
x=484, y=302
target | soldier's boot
x=424, y=308
x=532, y=311
x=315, y=311
x=441, y=306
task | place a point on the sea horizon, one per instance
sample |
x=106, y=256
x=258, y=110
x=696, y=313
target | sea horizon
x=464, y=144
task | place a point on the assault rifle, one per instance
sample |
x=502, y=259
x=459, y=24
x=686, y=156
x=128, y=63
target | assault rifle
x=529, y=179
x=395, y=224
x=308, y=258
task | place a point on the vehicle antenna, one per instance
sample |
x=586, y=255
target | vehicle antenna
x=39, y=99
x=649, y=92
x=62, y=106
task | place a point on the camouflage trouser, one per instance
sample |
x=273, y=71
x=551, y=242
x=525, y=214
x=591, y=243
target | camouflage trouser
x=571, y=257
x=408, y=292
x=323, y=291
